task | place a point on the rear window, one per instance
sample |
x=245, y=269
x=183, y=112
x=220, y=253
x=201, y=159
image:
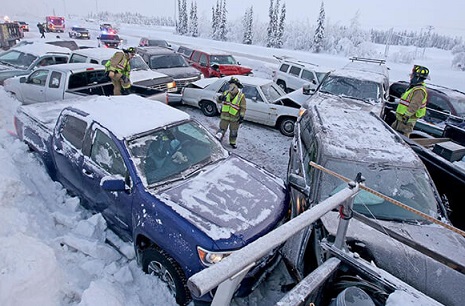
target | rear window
x=86, y=78
x=73, y=130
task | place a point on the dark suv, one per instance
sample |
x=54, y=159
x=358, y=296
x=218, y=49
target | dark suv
x=170, y=63
x=78, y=32
x=341, y=137
x=445, y=105
x=109, y=40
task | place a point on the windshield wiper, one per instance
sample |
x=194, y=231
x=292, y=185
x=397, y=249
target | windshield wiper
x=7, y=64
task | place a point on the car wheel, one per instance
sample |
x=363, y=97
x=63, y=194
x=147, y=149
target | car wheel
x=208, y=108
x=314, y=254
x=286, y=126
x=282, y=84
x=156, y=262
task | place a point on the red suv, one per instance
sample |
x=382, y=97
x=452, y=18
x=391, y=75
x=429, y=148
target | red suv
x=217, y=64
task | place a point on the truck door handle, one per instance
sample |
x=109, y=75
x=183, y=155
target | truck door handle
x=88, y=173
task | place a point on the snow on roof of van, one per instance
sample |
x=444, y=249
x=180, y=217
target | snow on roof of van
x=98, y=53
x=359, y=74
x=356, y=134
x=124, y=116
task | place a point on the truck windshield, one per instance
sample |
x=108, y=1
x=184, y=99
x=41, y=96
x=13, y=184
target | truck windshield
x=409, y=186
x=173, y=152
x=351, y=87
x=223, y=60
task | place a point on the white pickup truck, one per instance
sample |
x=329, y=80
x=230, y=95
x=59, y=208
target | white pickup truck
x=66, y=81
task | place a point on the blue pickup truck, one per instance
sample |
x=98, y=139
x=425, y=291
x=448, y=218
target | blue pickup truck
x=160, y=180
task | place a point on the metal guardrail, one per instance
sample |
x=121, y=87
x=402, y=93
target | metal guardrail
x=227, y=274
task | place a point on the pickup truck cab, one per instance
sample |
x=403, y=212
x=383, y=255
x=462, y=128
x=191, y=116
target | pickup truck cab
x=141, y=74
x=217, y=64
x=67, y=81
x=160, y=180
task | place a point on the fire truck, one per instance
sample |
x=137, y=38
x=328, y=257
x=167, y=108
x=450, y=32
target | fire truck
x=55, y=24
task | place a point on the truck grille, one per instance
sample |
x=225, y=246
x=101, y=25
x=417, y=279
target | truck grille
x=180, y=83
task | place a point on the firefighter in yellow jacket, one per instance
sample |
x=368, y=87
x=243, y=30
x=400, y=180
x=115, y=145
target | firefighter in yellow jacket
x=412, y=105
x=232, y=111
x=119, y=69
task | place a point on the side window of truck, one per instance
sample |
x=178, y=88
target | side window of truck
x=73, y=130
x=105, y=153
x=77, y=58
x=55, y=79
x=38, y=77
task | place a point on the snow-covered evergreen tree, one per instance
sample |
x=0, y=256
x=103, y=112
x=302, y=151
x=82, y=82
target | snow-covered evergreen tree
x=194, y=21
x=271, y=26
x=275, y=30
x=182, y=26
x=320, y=30
x=280, y=29
x=214, y=23
x=223, y=22
x=248, y=26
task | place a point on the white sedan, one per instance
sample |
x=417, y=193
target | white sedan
x=264, y=101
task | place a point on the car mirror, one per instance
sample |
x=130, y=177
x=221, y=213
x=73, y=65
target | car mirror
x=111, y=183
x=307, y=89
x=238, y=63
x=22, y=79
x=298, y=182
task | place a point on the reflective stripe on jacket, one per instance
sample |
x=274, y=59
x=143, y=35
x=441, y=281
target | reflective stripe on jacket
x=406, y=98
x=234, y=106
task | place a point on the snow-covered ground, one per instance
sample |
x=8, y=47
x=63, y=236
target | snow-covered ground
x=53, y=252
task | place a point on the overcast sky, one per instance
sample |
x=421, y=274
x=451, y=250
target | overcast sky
x=445, y=16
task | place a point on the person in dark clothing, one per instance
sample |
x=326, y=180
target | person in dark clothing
x=41, y=30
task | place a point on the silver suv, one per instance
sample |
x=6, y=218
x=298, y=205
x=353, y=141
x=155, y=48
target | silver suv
x=293, y=74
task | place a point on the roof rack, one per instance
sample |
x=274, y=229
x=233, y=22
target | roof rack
x=293, y=60
x=367, y=60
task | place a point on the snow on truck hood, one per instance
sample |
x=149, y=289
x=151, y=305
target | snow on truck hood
x=234, y=198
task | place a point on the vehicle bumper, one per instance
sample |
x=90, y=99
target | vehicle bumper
x=161, y=97
x=173, y=98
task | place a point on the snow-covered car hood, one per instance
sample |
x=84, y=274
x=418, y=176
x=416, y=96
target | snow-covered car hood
x=202, y=83
x=141, y=75
x=364, y=106
x=180, y=72
x=232, y=199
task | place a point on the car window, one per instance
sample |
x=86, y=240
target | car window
x=85, y=78
x=224, y=87
x=38, y=77
x=73, y=130
x=251, y=92
x=196, y=56
x=284, y=67
x=77, y=58
x=351, y=87
x=137, y=63
x=295, y=71
x=105, y=153
x=55, y=79
x=61, y=60
x=157, y=42
x=307, y=75
x=272, y=92
x=320, y=76
x=203, y=59
x=439, y=103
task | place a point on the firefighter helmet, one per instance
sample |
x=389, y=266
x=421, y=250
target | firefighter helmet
x=236, y=81
x=420, y=71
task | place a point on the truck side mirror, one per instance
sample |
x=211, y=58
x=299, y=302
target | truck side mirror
x=111, y=183
x=298, y=182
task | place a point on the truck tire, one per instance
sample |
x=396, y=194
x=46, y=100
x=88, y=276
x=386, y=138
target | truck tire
x=208, y=108
x=286, y=126
x=282, y=84
x=157, y=262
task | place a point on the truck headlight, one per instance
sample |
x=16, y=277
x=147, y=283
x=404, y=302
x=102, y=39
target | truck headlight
x=171, y=86
x=209, y=258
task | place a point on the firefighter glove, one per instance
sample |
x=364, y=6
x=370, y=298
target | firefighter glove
x=124, y=78
x=222, y=98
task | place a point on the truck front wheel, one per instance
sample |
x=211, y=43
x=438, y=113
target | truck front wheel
x=157, y=262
